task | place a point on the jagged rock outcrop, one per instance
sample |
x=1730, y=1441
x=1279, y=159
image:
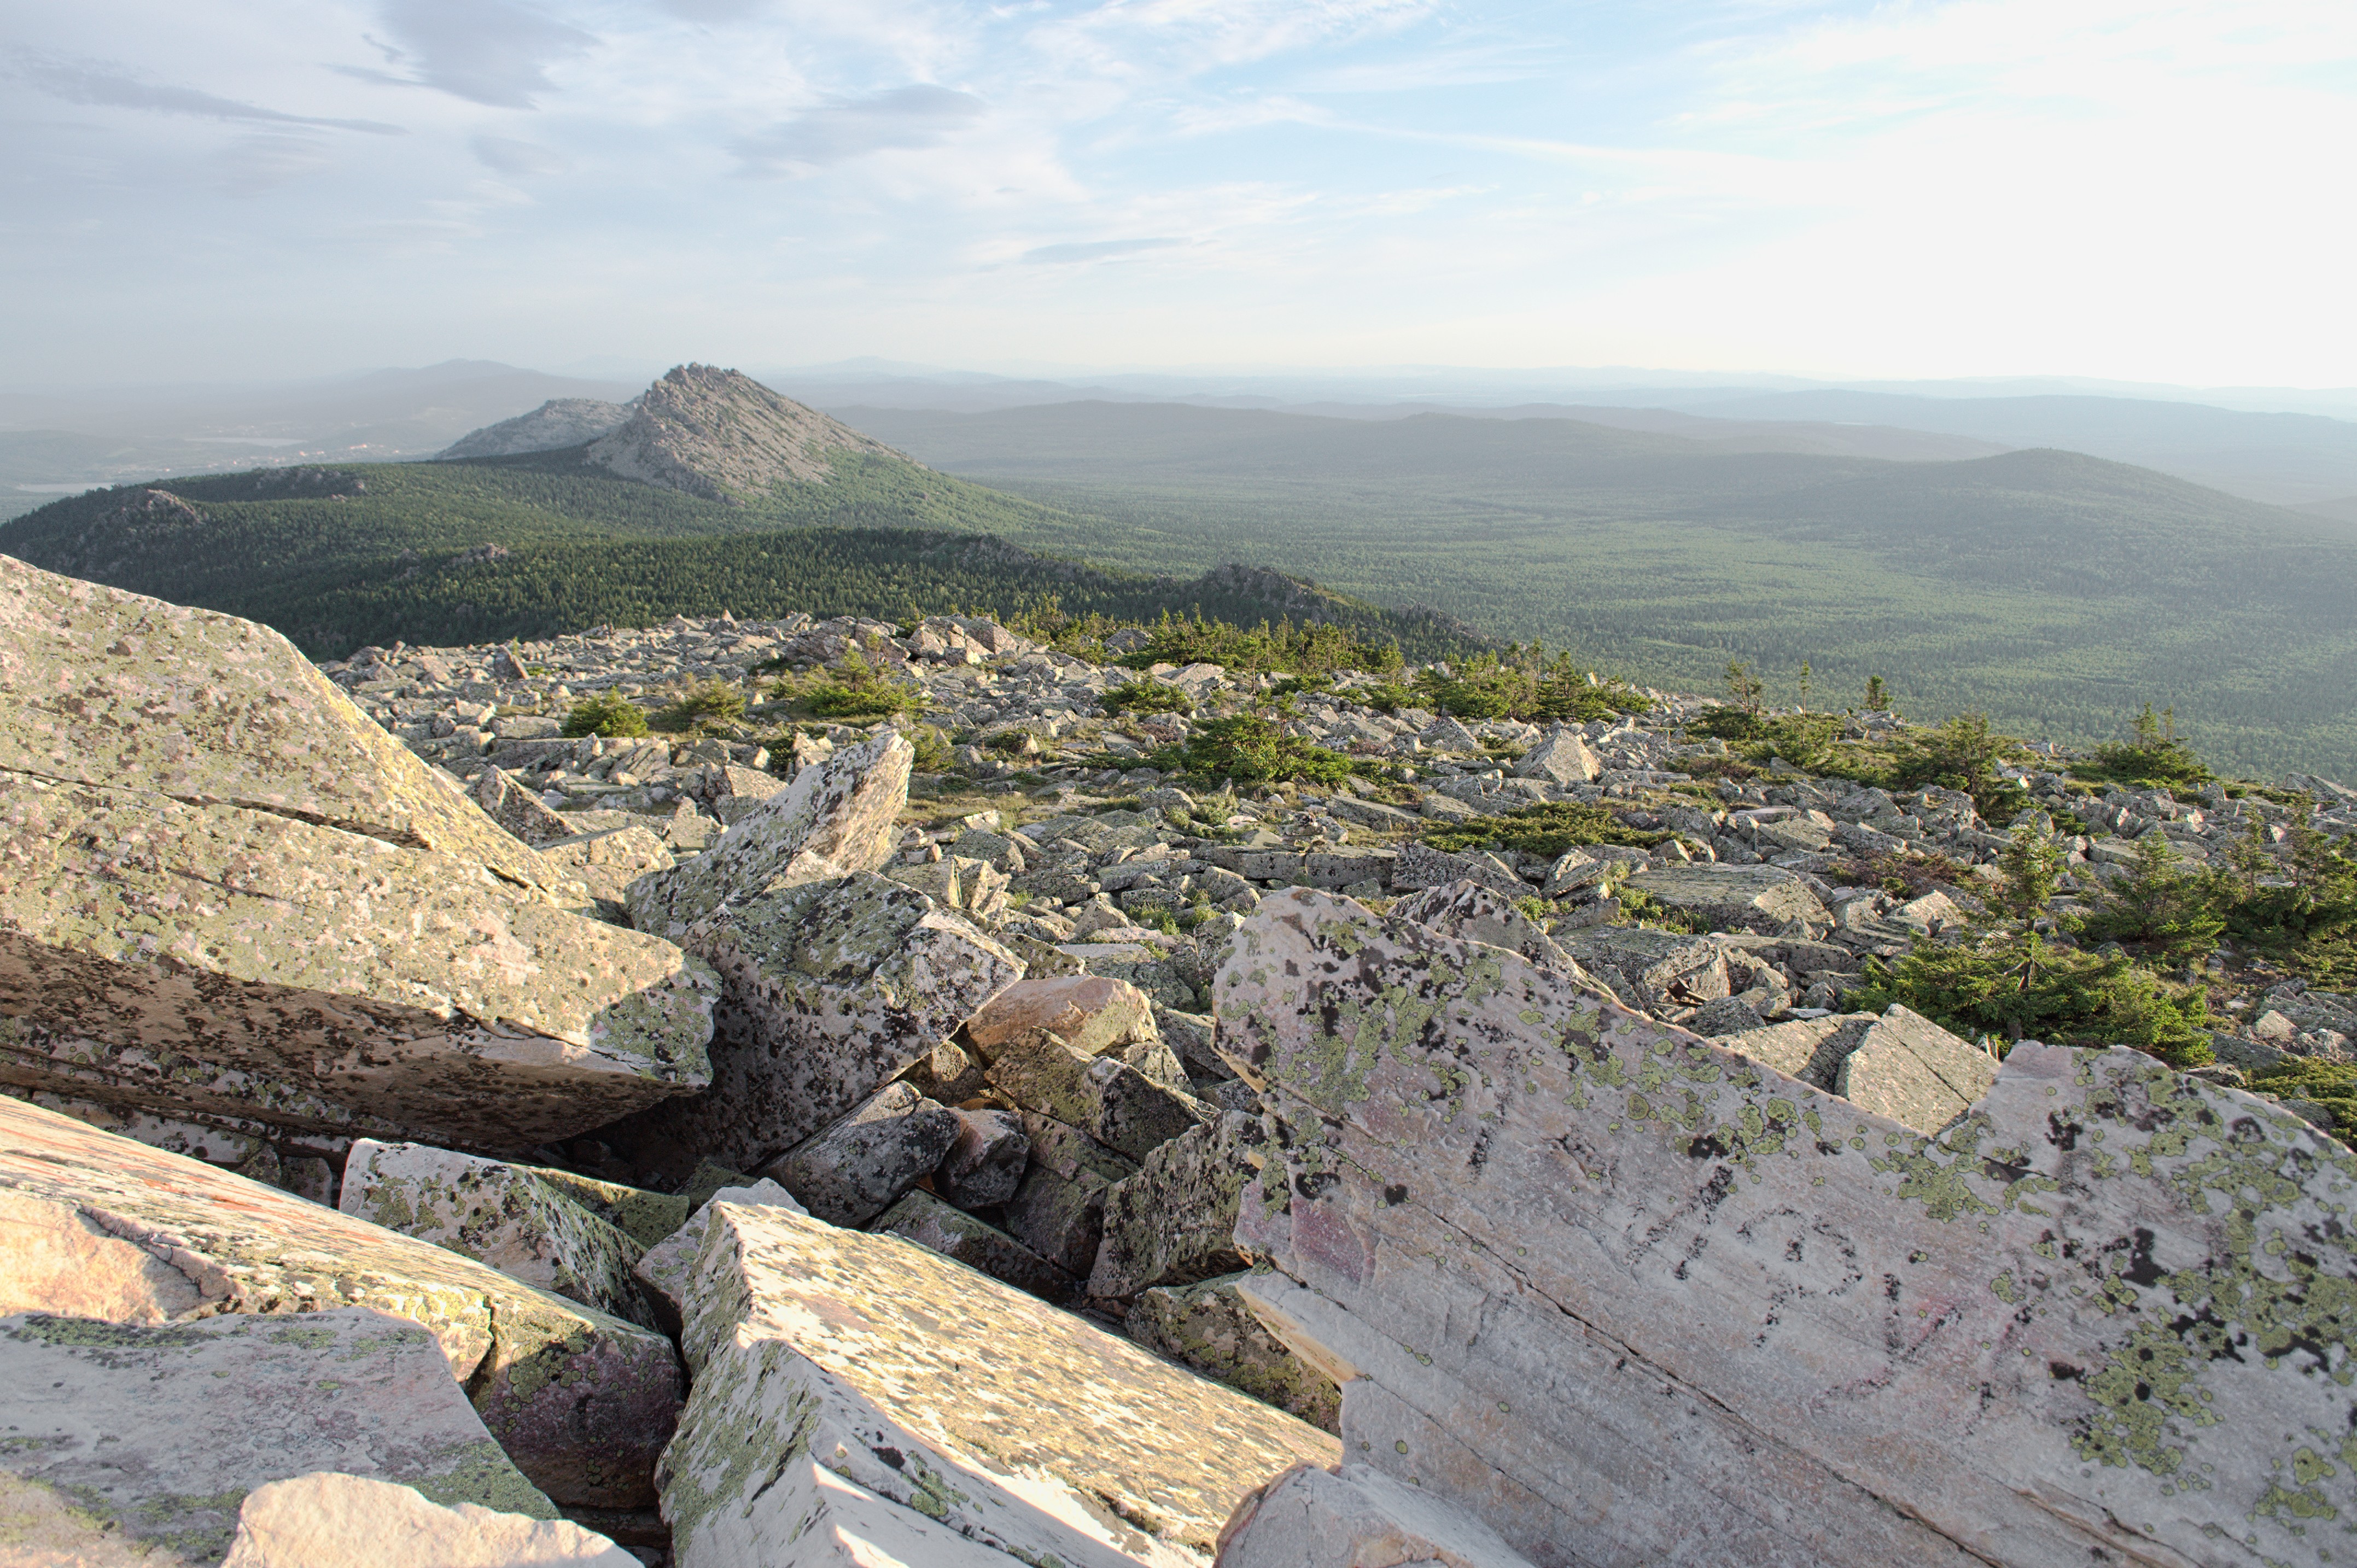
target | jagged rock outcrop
x=154, y=1433
x=99, y=1227
x=725, y=436
x=559, y=422
x=974, y=1423
x=1626, y=1295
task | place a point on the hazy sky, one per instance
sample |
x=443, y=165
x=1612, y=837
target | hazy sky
x=2129, y=188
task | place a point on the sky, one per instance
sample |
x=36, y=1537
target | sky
x=2136, y=189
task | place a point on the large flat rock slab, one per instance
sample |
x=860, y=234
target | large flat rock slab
x=1629, y=1297
x=159, y=1432
x=931, y=1385
x=101, y=687
x=97, y=1226
x=1763, y=898
x=273, y=966
x=327, y=1519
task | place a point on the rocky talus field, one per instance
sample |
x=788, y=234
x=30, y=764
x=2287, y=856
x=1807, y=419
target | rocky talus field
x=821, y=1091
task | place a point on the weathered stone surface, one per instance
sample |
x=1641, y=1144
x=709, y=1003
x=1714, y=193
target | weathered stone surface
x=667, y=1266
x=157, y=1431
x=1418, y=868
x=851, y=1172
x=1090, y=1014
x=1908, y=1069
x=1106, y=1098
x=831, y=989
x=1764, y=898
x=1510, y=1215
x=1059, y=1211
x=932, y=1386
x=1561, y=756
x=644, y=1217
x=1206, y=1326
x=1356, y=1518
x=605, y=862
x=102, y=1226
x=236, y=962
x=1811, y=1049
x=504, y=1215
x=935, y=1226
x=836, y=817
x=331, y=1521
x=120, y=691
x=987, y=1160
x=518, y=809
x=1652, y=971
x=1175, y=1222
x=1481, y=914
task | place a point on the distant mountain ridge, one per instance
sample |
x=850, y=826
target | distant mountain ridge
x=559, y=422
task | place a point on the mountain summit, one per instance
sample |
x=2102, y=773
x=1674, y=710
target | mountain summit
x=559, y=422
x=725, y=436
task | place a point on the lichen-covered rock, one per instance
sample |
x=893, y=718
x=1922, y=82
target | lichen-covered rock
x=854, y=1169
x=1764, y=898
x=1419, y=868
x=935, y=1226
x=157, y=1431
x=1088, y=1014
x=836, y=817
x=236, y=962
x=1105, y=1096
x=646, y=1217
x=119, y=691
x=1355, y=1517
x=1000, y=1419
x=98, y=1225
x=1175, y=1222
x=331, y=1521
x=504, y=1215
x=518, y=809
x=1508, y=1216
x=1059, y=1211
x=1480, y=914
x=667, y=1266
x=603, y=864
x=1652, y=971
x=1561, y=756
x=1811, y=1049
x=1208, y=1327
x=1908, y=1069
x=831, y=989
x=987, y=1160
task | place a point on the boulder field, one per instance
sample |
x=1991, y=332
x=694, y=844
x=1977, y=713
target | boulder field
x=426, y=1137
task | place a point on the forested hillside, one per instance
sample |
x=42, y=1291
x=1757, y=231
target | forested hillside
x=2058, y=592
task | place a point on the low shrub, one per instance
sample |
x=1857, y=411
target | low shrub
x=2018, y=985
x=1147, y=697
x=1546, y=831
x=712, y=703
x=608, y=714
x=1250, y=749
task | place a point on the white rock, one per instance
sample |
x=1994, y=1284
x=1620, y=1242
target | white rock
x=331, y=1521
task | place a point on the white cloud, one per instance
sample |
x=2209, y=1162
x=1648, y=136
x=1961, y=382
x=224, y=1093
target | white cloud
x=920, y=115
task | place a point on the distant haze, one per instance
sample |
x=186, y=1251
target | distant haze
x=265, y=190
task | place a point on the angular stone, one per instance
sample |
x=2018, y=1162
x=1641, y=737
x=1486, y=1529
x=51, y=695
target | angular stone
x=504, y=1215
x=606, y=863
x=518, y=809
x=233, y=963
x=1481, y=914
x=1511, y=1215
x=934, y=1386
x=119, y=691
x=1206, y=1326
x=836, y=817
x=155, y=1432
x=1908, y=1069
x=987, y=1160
x=833, y=988
x=1175, y=1222
x=103, y=1226
x=1104, y=1097
x=667, y=1265
x=1764, y=898
x=331, y=1521
x=1059, y=1211
x=1811, y=1049
x=1657, y=971
x=933, y=1225
x=1090, y=1014
x=1356, y=1517
x=1418, y=868
x=853, y=1171
x=644, y=1217
x=1561, y=756
x=1189, y=1035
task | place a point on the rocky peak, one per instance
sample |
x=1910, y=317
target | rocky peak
x=559, y=422
x=724, y=435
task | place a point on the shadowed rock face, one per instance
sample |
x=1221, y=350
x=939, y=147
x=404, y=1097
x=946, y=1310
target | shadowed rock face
x=100, y=1226
x=559, y=422
x=725, y=436
x=2103, y=1316
x=101, y=687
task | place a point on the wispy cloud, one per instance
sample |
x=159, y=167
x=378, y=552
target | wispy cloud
x=920, y=115
x=95, y=82
x=494, y=52
x=1095, y=249
x=520, y=158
